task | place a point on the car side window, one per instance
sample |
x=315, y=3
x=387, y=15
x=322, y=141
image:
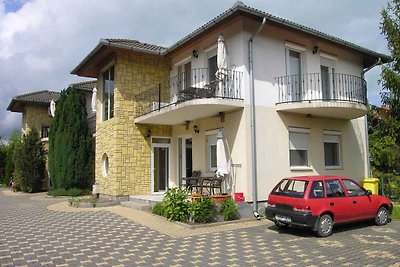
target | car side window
x=353, y=189
x=317, y=190
x=334, y=189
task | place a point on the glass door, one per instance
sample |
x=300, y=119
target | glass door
x=185, y=168
x=294, y=75
x=160, y=164
x=327, y=78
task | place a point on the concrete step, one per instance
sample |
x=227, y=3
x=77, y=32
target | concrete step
x=136, y=205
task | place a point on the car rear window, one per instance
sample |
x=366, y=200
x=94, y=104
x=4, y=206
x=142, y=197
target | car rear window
x=290, y=188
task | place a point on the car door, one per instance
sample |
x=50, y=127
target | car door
x=336, y=201
x=360, y=203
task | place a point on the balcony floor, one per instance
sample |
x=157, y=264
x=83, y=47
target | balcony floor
x=328, y=109
x=190, y=110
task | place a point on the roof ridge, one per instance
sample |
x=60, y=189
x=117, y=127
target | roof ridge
x=35, y=93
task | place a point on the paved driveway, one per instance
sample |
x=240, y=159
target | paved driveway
x=33, y=235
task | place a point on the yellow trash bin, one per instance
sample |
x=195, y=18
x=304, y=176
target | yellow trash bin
x=371, y=184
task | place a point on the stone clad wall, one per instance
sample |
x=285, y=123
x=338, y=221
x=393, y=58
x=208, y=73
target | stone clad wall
x=36, y=117
x=120, y=138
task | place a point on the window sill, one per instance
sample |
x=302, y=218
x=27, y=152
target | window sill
x=301, y=168
x=333, y=168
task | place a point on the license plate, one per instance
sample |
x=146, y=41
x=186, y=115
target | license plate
x=281, y=218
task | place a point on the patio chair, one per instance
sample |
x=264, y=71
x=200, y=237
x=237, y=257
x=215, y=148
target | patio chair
x=193, y=181
x=212, y=184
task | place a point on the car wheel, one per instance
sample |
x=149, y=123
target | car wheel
x=281, y=225
x=382, y=216
x=325, y=225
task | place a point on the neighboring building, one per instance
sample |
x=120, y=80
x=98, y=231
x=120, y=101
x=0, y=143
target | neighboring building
x=87, y=87
x=35, y=109
x=159, y=109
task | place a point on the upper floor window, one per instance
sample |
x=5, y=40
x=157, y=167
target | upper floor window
x=45, y=131
x=108, y=94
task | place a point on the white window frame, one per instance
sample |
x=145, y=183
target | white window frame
x=300, y=131
x=106, y=117
x=338, y=136
x=208, y=151
x=289, y=46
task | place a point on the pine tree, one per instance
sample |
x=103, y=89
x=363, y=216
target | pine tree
x=70, y=147
x=30, y=165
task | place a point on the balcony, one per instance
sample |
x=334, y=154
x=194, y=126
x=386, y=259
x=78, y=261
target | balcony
x=190, y=95
x=330, y=95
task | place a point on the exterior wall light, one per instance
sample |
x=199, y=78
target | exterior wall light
x=315, y=49
x=196, y=129
x=148, y=134
x=194, y=53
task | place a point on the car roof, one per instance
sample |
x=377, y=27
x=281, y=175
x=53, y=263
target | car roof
x=316, y=177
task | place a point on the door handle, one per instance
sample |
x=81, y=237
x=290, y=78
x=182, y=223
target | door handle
x=354, y=202
x=332, y=204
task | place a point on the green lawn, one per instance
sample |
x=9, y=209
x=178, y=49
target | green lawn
x=3, y=185
x=396, y=212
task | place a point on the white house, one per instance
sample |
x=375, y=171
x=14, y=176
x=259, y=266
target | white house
x=159, y=109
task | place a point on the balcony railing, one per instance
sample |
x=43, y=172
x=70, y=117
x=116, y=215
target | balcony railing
x=195, y=84
x=314, y=87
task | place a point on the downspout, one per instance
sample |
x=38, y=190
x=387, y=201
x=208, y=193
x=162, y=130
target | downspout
x=379, y=62
x=253, y=121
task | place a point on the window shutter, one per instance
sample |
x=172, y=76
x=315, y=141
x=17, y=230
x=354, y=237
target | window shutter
x=298, y=141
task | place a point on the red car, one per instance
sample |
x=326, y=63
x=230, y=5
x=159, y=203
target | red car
x=319, y=202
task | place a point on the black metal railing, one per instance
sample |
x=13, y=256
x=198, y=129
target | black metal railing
x=193, y=84
x=312, y=87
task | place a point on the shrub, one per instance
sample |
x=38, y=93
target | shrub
x=74, y=202
x=57, y=192
x=29, y=159
x=175, y=205
x=73, y=192
x=158, y=209
x=203, y=211
x=396, y=212
x=229, y=210
x=93, y=201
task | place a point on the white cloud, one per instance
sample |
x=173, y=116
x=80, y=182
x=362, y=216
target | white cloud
x=43, y=40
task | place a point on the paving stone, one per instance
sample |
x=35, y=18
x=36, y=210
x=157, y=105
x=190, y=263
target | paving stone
x=38, y=236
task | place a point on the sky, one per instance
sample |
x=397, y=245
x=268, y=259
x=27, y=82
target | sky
x=41, y=41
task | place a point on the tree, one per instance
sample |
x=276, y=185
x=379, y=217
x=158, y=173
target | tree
x=30, y=164
x=390, y=26
x=12, y=143
x=384, y=123
x=3, y=157
x=70, y=145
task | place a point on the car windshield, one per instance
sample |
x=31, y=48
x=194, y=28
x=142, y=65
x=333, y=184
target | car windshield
x=290, y=188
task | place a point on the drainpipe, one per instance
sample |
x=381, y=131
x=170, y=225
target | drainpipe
x=379, y=62
x=253, y=121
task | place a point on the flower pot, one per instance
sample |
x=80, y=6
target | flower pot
x=218, y=199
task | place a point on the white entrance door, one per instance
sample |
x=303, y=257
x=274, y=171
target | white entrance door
x=160, y=164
